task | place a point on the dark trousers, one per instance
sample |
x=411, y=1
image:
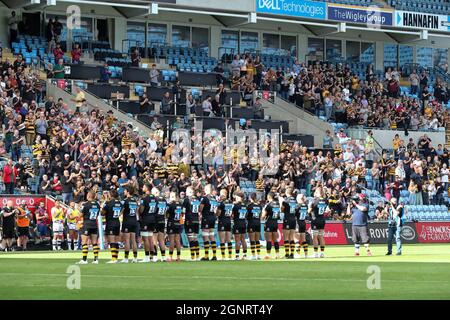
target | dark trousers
x=9, y=188
x=13, y=36
x=394, y=233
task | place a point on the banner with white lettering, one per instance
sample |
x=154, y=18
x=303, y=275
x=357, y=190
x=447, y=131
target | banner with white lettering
x=370, y=16
x=32, y=201
x=295, y=8
x=420, y=20
x=433, y=232
x=378, y=232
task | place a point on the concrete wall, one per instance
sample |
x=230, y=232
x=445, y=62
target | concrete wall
x=300, y=122
x=5, y=13
x=97, y=103
x=229, y=5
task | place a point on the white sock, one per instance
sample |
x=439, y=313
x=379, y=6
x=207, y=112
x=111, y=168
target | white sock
x=367, y=247
x=54, y=244
x=58, y=244
x=357, y=248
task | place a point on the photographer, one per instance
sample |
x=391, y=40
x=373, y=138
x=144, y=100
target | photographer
x=358, y=209
x=395, y=226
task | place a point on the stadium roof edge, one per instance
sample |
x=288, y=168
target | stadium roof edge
x=176, y=8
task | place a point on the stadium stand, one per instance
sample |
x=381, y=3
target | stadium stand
x=429, y=6
x=347, y=93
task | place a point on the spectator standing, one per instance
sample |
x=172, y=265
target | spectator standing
x=259, y=67
x=258, y=109
x=154, y=74
x=236, y=67
x=57, y=28
x=105, y=73
x=328, y=140
x=12, y=23
x=145, y=103
x=414, y=82
x=190, y=105
x=42, y=222
x=135, y=58
x=58, y=70
x=423, y=80
x=42, y=126
x=9, y=176
x=58, y=52
x=207, y=107
x=216, y=106
x=80, y=99
x=219, y=74
x=49, y=31
x=76, y=53
x=222, y=92
x=166, y=103
x=30, y=128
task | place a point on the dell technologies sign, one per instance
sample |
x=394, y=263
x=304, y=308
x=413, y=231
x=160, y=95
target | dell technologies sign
x=296, y=8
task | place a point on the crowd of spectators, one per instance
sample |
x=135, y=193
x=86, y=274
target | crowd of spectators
x=338, y=94
x=75, y=150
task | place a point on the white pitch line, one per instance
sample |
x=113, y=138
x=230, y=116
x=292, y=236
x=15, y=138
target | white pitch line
x=219, y=278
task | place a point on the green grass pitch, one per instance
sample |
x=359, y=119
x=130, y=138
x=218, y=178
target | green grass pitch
x=422, y=272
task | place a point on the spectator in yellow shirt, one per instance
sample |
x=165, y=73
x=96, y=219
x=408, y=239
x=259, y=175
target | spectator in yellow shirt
x=396, y=142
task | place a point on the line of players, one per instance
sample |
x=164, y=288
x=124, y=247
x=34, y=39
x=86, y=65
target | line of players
x=157, y=217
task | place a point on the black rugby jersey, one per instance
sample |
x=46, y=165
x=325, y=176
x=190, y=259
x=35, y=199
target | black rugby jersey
x=113, y=208
x=90, y=212
x=162, y=209
x=150, y=203
x=174, y=212
x=130, y=207
x=226, y=210
x=192, y=206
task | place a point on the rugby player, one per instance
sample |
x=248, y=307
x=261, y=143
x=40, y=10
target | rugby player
x=160, y=235
x=271, y=214
x=288, y=208
x=208, y=208
x=302, y=214
x=129, y=224
x=90, y=211
x=147, y=220
x=73, y=215
x=224, y=212
x=239, y=215
x=191, y=224
x=58, y=225
x=174, y=216
x=254, y=226
x=317, y=211
x=112, y=210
